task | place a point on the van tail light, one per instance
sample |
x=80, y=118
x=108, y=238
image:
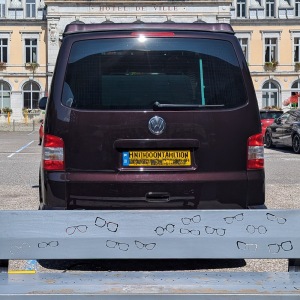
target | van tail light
x=255, y=152
x=53, y=153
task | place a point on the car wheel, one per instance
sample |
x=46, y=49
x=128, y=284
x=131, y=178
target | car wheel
x=268, y=140
x=296, y=143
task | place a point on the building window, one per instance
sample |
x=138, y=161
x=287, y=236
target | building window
x=244, y=45
x=296, y=86
x=30, y=50
x=30, y=9
x=270, y=94
x=2, y=8
x=3, y=50
x=270, y=8
x=296, y=49
x=4, y=94
x=241, y=8
x=297, y=8
x=31, y=93
x=270, y=50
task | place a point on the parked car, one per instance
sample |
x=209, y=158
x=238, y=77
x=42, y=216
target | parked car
x=267, y=117
x=137, y=118
x=285, y=131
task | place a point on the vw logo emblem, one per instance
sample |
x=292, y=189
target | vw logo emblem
x=157, y=125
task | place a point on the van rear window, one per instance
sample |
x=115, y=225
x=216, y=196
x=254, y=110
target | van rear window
x=126, y=74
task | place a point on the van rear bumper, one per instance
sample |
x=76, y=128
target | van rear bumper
x=153, y=190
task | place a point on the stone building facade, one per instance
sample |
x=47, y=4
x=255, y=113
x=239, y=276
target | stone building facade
x=30, y=33
x=23, y=64
x=60, y=13
x=269, y=32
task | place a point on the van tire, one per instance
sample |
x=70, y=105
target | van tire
x=296, y=143
x=268, y=140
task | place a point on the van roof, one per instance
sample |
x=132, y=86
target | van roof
x=79, y=27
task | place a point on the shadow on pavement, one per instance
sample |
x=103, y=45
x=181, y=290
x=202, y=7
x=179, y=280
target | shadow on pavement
x=142, y=264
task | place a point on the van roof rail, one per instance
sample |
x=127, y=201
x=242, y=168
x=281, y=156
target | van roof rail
x=74, y=27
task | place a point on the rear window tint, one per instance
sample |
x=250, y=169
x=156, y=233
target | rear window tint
x=126, y=73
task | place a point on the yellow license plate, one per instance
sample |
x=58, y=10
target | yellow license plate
x=174, y=158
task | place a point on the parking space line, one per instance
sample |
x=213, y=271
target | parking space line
x=19, y=150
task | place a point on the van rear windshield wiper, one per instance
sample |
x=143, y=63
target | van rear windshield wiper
x=159, y=106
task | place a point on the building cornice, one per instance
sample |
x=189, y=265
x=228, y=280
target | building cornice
x=23, y=22
x=136, y=2
x=265, y=22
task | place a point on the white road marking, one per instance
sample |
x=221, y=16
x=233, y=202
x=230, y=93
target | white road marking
x=19, y=150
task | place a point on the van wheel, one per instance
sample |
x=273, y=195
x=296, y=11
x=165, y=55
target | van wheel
x=268, y=140
x=296, y=143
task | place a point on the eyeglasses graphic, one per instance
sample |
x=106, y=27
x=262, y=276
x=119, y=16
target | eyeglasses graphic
x=238, y=217
x=161, y=230
x=71, y=230
x=114, y=244
x=260, y=229
x=285, y=246
x=245, y=246
x=141, y=245
x=187, y=231
x=272, y=217
x=218, y=231
x=111, y=226
x=188, y=221
x=49, y=244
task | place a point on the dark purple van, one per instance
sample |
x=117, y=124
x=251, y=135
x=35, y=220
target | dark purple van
x=151, y=116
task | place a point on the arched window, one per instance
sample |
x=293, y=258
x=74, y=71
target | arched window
x=5, y=92
x=296, y=86
x=270, y=94
x=31, y=94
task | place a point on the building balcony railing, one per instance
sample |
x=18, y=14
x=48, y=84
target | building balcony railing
x=2, y=65
x=271, y=66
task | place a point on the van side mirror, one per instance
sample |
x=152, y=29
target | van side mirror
x=277, y=121
x=43, y=103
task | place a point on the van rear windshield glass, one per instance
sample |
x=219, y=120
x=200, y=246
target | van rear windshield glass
x=129, y=73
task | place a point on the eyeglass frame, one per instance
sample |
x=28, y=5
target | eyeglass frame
x=277, y=218
x=117, y=244
x=144, y=245
x=280, y=246
x=107, y=224
x=189, y=231
x=234, y=218
x=190, y=220
x=165, y=229
x=48, y=244
x=257, y=229
x=76, y=227
x=215, y=230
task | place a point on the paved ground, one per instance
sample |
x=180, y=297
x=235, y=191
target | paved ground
x=19, y=126
x=19, y=164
